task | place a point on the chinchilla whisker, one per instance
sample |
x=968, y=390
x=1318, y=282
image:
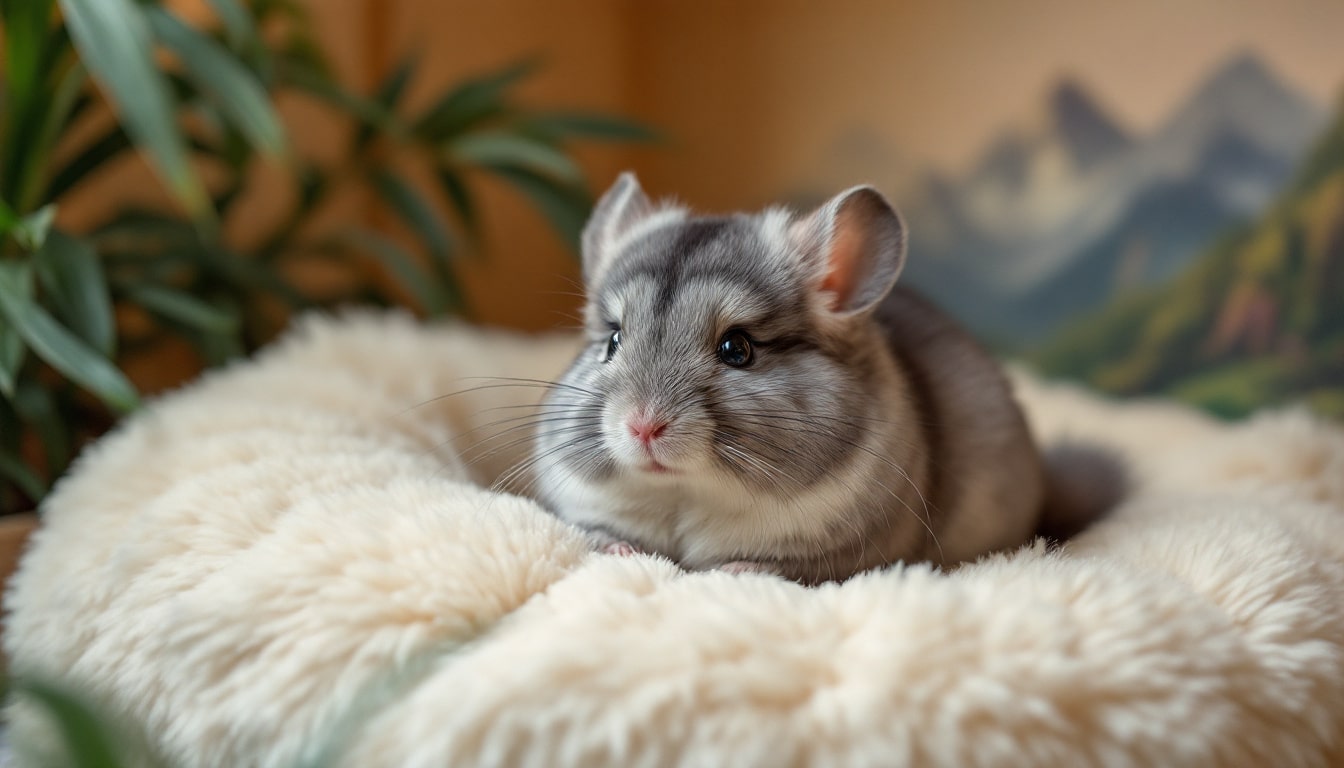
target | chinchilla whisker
x=507, y=382
x=926, y=520
x=861, y=535
x=780, y=478
x=526, y=417
x=575, y=294
x=498, y=449
x=530, y=419
x=586, y=460
x=754, y=461
x=733, y=456
x=770, y=420
x=505, y=450
x=851, y=420
x=574, y=448
x=743, y=438
x=467, y=391
x=795, y=417
x=538, y=382
x=573, y=323
x=458, y=436
x=526, y=464
x=771, y=470
x=533, y=405
x=551, y=425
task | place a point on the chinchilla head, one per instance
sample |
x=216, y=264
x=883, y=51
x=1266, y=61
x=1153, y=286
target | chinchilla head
x=725, y=352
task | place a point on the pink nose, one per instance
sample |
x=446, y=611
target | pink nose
x=646, y=428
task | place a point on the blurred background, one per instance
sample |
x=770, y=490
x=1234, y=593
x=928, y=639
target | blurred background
x=1146, y=197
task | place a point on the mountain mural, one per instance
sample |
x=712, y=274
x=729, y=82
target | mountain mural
x=1070, y=209
x=1257, y=318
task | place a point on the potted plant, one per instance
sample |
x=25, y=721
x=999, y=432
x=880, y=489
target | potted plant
x=189, y=97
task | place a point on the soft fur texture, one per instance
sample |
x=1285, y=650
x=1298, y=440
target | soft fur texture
x=288, y=557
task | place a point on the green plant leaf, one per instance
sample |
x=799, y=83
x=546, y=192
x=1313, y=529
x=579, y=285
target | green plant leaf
x=31, y=231
x=94, y=154
x=12, y=348
x=313, y=185
x=402, y=267
x=84, y=735
x=8, y=219
x=237, y=20
x=324, y=89
x=73, y=281
x=36, y=405
x=496, y=148
x=26, y=25
x=566, y=208
x=37, y=225
x=224, y=199
x=564, y=125
x=22, y=475
x=12, y=352
x=57, y=346
x=241, y=272
x=141, y=226
x=460, y=197
x=297, y=45
x=224, y=79
x=63, y=99
x=216, y=348
x=423, y=218
x=26, y=96
x=387, y=97
x=184, y=308
x=394, y=85
x=418, y=213
x=114, y=41
x=470, y=103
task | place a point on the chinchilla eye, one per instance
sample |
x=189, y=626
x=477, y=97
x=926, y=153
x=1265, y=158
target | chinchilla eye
x=735, y=349
x=613, y=342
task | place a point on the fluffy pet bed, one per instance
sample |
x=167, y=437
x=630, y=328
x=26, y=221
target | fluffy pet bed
x=287, y=561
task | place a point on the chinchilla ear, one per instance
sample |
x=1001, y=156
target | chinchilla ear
x=853, y=247
x=620, y=208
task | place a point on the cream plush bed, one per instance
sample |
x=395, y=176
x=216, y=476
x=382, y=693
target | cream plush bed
x=287, y=561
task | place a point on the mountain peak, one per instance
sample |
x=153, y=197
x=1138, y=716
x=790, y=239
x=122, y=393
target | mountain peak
x=1244, y=67
x=1068, y=95
x=1246, y=76
x=1087, y=132
x=1245, y=93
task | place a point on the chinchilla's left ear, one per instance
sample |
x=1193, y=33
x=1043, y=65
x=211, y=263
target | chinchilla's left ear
x=853, y=249
x=620, y=208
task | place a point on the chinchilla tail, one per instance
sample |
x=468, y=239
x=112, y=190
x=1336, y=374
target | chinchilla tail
x=1084, y=482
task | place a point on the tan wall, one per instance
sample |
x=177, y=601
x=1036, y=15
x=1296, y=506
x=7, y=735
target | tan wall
x=752, y=91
